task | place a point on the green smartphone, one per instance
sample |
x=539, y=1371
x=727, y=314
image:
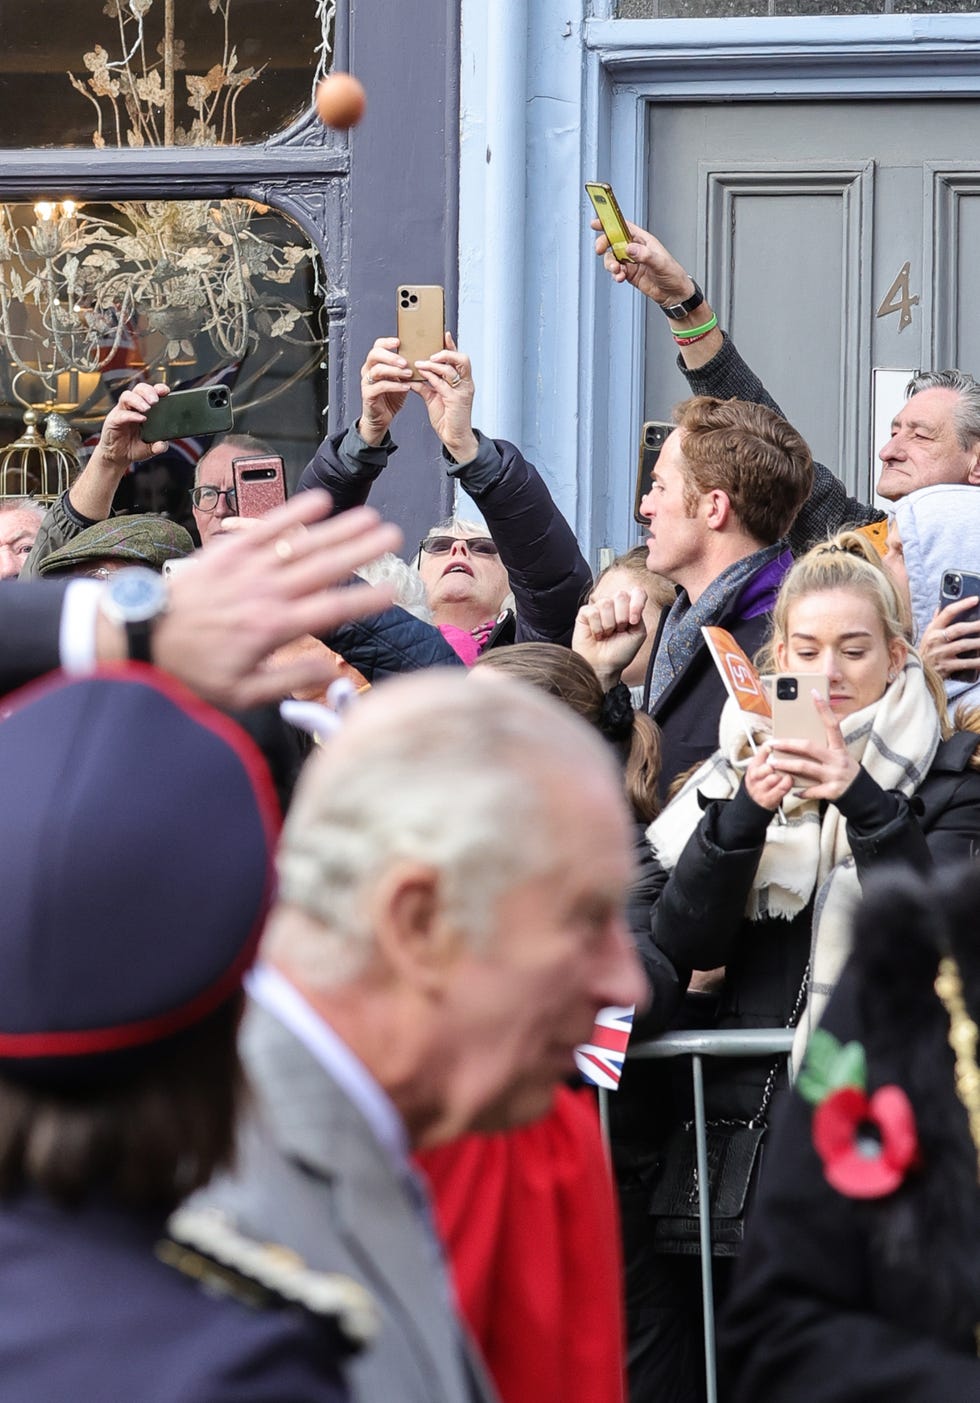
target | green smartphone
x=189, y=413
x=610, y=216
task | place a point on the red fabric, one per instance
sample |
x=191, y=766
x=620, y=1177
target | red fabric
x=531, y=1229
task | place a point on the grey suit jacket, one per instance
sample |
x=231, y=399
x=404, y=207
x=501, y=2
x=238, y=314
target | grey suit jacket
x=312, y=1176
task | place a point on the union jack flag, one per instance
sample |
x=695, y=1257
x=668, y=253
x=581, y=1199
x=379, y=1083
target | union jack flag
x=600, y=1060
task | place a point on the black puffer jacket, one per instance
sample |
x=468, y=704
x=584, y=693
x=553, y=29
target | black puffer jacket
x=697, y=918
x=547, y=571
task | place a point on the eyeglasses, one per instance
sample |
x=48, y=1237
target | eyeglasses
x=206, y=498
x=442, y=545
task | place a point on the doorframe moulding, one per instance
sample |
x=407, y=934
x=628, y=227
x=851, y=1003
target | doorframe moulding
x=631, y=64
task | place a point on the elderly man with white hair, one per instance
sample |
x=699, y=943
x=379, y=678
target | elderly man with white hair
x=450, y=920
x=20, y=521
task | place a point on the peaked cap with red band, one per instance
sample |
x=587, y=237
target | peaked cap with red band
x=137, y=828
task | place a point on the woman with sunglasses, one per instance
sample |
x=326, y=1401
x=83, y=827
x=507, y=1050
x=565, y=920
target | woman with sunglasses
x=524, y=561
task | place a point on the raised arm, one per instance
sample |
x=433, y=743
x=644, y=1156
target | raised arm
x=89, y=499
x=346, y=464
x=547, y=571
x=712, y=366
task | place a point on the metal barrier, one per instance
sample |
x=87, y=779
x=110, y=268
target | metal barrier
x=737, y=1042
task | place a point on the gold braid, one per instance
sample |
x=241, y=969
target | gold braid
x=963, y=1037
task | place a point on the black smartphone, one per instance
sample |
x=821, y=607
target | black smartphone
x=960, y=584
x=653, y=436
x=189, y=413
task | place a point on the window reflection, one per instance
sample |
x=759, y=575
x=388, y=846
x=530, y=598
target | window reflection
x=158, y=72
x=96, y=296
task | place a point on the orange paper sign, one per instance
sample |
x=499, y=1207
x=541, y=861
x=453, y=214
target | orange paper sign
x=741, y=680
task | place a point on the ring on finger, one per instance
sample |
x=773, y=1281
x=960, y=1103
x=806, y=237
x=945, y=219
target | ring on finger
x=945, y=636
x=284, y=549
x=456, y=380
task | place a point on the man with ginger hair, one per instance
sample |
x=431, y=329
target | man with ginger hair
x=726, y=488
x=449, y=923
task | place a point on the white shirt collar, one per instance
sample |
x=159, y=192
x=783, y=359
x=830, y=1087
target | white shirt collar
x=278, y=996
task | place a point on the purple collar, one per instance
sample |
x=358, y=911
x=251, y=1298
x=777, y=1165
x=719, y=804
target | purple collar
x=759, y=593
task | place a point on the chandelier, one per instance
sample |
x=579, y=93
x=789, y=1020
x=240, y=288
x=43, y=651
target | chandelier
x=162, y=281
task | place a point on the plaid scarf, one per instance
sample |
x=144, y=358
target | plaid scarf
x=895, y=739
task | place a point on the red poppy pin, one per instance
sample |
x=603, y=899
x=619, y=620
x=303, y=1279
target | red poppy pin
x=867, y=1143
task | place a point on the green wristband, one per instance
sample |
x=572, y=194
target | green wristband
x=696, y=330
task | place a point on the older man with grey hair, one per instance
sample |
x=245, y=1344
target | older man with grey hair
x=449, y=923
x=20, y=521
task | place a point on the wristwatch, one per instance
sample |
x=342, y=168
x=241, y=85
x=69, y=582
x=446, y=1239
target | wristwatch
x=681, y=309
x=136, y=597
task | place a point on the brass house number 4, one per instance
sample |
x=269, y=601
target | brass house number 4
x=899, y=299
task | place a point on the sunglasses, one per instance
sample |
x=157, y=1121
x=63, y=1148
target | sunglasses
x=442, y=545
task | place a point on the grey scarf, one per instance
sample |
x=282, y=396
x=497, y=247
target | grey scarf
x=682, y=636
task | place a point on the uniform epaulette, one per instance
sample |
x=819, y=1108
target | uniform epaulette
x=203, y=1244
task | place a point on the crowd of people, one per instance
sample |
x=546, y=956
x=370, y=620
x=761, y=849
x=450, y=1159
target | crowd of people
x=297, y=950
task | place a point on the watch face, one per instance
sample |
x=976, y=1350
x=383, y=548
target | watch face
x=137, y=594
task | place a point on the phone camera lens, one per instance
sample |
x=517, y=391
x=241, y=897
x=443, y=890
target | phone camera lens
x=786, y=688
x=413, y=299
x=954, y=585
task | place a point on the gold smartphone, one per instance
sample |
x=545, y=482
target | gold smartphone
x=421, y=323
x=610, y=216
x=794, y=715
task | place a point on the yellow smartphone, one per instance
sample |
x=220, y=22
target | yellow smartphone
x=610, y=216
x=421, y=323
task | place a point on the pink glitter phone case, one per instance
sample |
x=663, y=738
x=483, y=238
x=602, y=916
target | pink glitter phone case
x=259, y=484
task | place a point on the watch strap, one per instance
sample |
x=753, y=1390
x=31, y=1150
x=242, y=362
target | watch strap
x=138, y=636
x=682, y=309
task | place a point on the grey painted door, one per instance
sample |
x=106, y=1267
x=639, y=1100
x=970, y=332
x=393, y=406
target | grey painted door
x=831, y=238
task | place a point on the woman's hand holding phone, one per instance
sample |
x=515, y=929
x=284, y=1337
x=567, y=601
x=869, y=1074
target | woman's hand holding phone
x=447, y=390
x=950, y=644
x=765, y=784
x=826, y=771
x=385, y=377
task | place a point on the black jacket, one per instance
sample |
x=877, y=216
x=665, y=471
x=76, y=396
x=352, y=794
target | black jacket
x=838, y=1299
x=547, y=571
x=688, y=711
x=697, y=918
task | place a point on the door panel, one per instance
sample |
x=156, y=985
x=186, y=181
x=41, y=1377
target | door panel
x=801, y=218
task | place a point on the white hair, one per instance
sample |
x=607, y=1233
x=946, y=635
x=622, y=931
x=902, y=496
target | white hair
x=409, y=587
x=24, y=504
x=429, y=769
x=465, y=526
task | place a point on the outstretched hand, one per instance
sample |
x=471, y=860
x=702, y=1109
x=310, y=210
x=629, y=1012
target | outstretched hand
x=610, y=632
x=817, y=771
x=237, y=602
